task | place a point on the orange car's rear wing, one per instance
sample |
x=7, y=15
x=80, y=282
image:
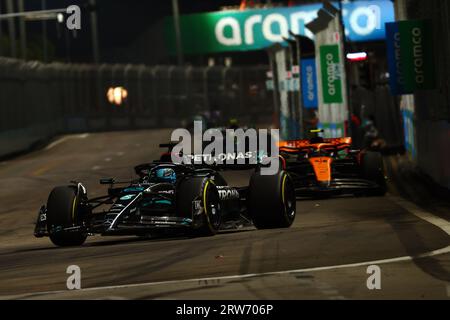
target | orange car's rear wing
x=326, y=143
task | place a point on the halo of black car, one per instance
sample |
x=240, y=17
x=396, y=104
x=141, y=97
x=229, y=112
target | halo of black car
x=184, y=198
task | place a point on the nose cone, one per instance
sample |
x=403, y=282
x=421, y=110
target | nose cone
x=322, y=169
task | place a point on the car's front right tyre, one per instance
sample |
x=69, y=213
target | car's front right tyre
x=203, y=189
x=62, y=212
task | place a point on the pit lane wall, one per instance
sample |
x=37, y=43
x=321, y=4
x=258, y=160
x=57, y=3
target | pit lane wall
x=433, y=150
x=38, y=101
x=426, y=114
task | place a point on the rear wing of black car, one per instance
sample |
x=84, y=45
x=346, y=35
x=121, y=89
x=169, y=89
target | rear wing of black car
x=168, y=145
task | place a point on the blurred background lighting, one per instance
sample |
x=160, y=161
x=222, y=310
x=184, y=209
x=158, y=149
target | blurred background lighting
x=117, y=95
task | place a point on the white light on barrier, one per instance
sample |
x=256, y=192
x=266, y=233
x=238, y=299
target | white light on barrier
x=60, y=17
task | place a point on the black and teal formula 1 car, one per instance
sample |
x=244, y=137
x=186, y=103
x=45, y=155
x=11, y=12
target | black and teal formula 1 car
x=175, y=198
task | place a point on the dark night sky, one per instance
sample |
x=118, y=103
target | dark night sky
x=120, y=23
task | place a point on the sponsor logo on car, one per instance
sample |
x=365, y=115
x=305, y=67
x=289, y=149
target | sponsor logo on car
x=127, y=197
x=228, y=193
x=237, y=147
x=167, y=191
x=221, y=157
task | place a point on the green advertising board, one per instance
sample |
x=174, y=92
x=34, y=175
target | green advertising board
x=410, y=56
x=330, y=68
x=256, y=29
x=234, y=30
x=332, y=130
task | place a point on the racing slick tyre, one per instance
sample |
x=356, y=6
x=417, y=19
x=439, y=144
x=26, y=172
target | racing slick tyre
x=202, y=188
x=271, y=200
x=62, y=211
x=373, y=170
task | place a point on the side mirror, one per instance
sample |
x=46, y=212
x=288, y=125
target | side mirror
x=107, y=181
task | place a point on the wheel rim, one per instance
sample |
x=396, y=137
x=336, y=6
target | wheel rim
x=289, y=199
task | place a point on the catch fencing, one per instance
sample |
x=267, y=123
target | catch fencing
x=40, y=100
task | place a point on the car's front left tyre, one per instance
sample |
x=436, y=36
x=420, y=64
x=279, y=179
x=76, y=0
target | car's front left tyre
x=272, y=200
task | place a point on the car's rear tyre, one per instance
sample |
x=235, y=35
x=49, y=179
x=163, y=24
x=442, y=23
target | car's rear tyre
x=62, y=211
x=203, y=189
x=373, y=170
x=271, y=200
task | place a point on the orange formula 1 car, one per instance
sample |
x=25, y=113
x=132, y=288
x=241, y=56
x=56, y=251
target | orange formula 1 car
x=320, y=166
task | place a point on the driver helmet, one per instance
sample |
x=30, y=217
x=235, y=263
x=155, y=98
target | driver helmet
x=233, y=124
x=315, y=136
x=166, y=175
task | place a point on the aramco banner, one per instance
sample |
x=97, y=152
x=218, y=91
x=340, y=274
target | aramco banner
x=330, y=67
x=410, y=56
x=309, y=83
x=256, y=29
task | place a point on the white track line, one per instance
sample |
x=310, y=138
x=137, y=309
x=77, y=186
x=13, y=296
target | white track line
x=244, y=276
x=63, y=139
x=55, y=143
x=410, y=207
x=422, y=214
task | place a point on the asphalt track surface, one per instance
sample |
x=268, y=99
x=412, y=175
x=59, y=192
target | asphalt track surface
x=324, y=255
